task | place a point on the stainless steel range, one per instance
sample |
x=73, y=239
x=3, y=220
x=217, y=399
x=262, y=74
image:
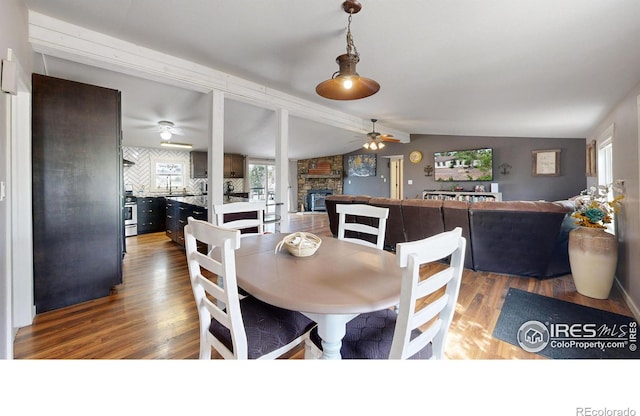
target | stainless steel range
x=130, y=215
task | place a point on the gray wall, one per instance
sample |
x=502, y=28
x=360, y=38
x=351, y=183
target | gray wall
x=519, y=184
x=625, y=120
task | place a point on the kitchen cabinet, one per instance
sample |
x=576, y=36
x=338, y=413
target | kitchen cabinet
x=78, y=218
x=171, y=219
x=151, y=215
x=233, y=166
x=177, y=215
x=198, y=164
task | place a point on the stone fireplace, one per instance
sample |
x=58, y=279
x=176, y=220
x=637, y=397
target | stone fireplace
x=320, y=177
x=315, y=199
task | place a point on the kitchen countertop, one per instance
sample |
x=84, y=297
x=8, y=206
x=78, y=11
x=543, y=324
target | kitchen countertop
x=201, y=200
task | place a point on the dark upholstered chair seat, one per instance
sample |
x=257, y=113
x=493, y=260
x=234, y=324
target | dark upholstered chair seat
x=369, y=336
x=267, y=327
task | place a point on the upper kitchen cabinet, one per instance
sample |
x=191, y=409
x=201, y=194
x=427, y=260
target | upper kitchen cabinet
x=233, y=166
x=78, y=228
x=199, y=164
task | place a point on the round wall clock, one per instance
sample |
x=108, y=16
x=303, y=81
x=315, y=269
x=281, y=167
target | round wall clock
x=415, y=156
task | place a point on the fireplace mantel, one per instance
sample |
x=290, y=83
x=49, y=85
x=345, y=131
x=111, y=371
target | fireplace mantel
x=321, y=176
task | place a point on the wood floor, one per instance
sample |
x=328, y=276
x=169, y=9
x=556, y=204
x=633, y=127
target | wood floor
x=152, y=315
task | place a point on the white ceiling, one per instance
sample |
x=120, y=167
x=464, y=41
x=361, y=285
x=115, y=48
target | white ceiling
x=527, y=68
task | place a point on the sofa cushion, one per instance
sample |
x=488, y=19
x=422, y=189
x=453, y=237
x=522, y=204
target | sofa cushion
x=395, y=230
x=516, y=237
x=456, y=214
x=330, y=202
x=529, y=206
x=422, y=218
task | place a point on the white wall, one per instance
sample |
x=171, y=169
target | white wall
x=626, y=148
x=13, y=35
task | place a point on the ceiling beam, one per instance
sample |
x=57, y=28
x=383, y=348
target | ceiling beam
x=57, y=38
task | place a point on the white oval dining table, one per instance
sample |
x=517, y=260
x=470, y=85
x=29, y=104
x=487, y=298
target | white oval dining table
x=332, y=286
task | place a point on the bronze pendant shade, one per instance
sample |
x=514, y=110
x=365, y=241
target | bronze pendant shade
x=346, y=84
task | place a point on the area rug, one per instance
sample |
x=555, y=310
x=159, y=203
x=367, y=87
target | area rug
x=563, y=330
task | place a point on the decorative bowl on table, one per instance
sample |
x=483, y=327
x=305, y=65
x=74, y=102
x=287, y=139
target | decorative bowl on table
x=300, y=244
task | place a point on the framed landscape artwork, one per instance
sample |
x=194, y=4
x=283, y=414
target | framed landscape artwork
x=361, y=165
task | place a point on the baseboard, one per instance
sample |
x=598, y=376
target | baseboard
x=627, y=299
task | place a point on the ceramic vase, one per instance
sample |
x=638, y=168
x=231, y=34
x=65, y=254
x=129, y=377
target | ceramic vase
x=593, y=256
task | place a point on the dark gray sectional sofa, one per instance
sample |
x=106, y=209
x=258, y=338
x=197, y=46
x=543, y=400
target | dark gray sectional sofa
x=523, y=238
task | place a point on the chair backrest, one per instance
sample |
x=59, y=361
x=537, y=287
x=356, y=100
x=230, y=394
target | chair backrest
x=214, y=301
x=441, y=288
x=254, y=211
x=370, y=213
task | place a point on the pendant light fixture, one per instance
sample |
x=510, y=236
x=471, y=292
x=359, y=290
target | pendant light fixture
x=346, y=84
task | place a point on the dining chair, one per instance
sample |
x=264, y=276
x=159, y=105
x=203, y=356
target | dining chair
x=427, y=304
x=245, y=216
x=242, y=328
x=372, y=223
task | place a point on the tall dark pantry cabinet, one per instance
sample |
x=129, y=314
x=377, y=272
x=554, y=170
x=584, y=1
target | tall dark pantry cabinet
x=77, y=192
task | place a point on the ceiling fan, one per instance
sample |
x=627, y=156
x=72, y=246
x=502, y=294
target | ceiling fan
x=167, y=129
x=376, y=140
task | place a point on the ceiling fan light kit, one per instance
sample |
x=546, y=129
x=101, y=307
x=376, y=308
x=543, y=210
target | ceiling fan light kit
x=178, y=145
x=166, y=132
x=347, y=84
x=376, y=139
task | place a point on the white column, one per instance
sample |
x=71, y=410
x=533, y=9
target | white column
x=282, y=169
x=216, y=152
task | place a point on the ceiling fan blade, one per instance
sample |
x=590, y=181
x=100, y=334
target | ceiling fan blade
x=389, y=138
x=173, y=130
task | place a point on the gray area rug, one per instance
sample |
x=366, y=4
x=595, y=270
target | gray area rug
x=563, y=330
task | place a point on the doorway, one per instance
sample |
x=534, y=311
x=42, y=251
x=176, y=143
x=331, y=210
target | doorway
x=262, y=186
x=395, y=181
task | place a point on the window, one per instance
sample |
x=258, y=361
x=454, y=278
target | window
x=167, y=175
x=605, y=166
x=262, y=180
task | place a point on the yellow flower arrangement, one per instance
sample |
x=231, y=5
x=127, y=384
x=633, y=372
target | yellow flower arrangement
x=593, y=207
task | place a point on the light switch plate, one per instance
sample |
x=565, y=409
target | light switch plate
x=2, y=191
x=410, y=182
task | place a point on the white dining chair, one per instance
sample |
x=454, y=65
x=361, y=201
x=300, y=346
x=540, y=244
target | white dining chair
x=427, y=305
x=237, y=328
x=255, y=225
x=377, y=224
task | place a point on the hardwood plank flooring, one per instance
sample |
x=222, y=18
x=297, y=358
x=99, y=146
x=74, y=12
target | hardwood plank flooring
x=152, y=315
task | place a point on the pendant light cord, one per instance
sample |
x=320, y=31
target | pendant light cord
x=351, y=47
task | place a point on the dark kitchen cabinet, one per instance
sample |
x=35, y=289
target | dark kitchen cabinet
x=177, y=217
x=151, y=215
x=233, y=166
x=78, y=227
x=198, y=164
x=171, y=221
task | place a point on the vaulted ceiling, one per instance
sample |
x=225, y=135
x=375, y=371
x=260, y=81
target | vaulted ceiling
x=529, y=68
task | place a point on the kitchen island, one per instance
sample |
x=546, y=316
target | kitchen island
x=180, y=208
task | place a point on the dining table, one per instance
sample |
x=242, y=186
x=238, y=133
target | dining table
x=332, y=286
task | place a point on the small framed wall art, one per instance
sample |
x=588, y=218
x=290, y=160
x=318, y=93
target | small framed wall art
x=545, y=162
x=591, y=159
